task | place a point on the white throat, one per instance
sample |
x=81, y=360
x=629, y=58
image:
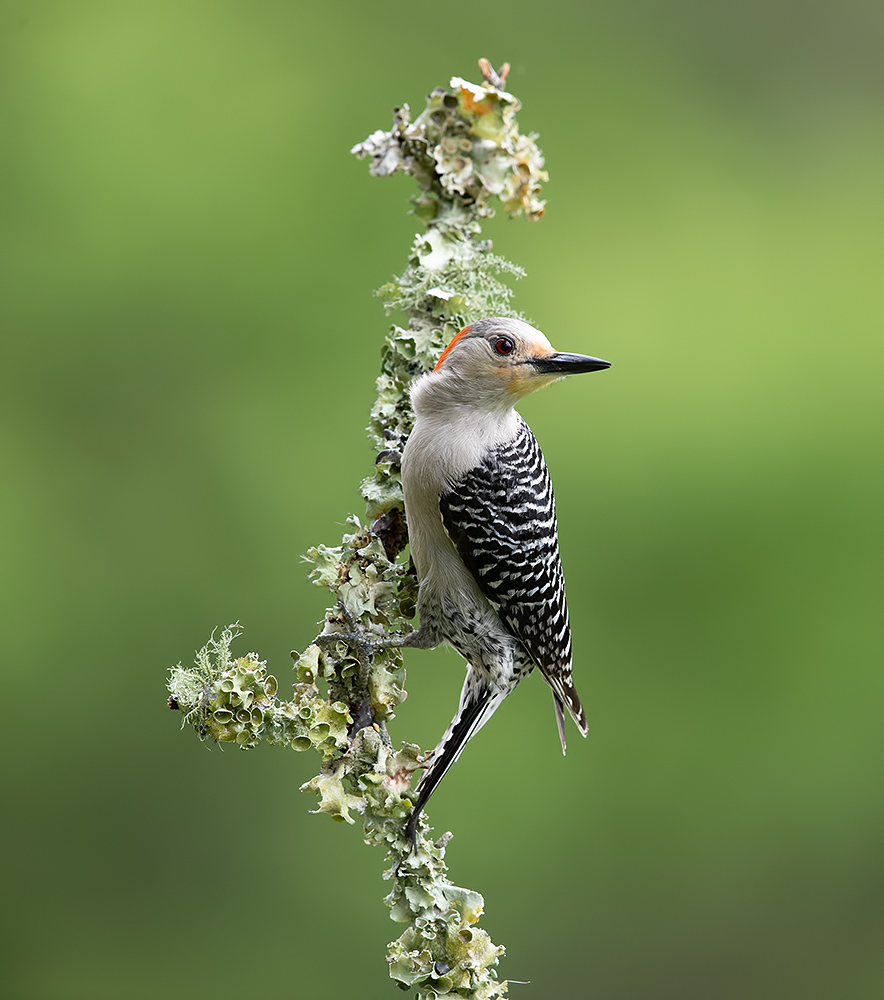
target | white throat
x=453, y=432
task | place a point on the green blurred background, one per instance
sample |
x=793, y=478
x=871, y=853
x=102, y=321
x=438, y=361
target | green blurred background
x=189, y=342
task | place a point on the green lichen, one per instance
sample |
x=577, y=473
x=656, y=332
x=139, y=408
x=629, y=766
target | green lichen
x=235, y=701
x=464, y=151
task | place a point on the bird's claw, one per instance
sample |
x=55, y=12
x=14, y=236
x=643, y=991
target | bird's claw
x=363, y=648
x=348, y=615
x=355, y=639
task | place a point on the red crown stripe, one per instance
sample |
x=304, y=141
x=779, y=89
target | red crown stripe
x=444, y=354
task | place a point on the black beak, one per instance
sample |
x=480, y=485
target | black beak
x=568, y=364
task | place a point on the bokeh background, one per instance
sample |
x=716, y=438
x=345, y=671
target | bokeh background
x=189, y=342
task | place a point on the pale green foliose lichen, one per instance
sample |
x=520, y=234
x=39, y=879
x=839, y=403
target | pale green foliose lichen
x=464, y=148
x=235, y=701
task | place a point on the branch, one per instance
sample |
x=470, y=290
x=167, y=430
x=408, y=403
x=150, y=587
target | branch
x=463, y=149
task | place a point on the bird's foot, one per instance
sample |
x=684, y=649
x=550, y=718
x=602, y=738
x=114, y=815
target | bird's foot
x=364, y=642
x=357, y=643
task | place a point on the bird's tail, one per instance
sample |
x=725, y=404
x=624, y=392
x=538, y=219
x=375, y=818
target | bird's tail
x=565, y=694
x=479, y=700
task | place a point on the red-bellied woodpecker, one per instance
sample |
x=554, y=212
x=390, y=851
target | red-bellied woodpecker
x=482, y=528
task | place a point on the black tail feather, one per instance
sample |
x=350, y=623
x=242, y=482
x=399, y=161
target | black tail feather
x=464, y=726
x=560, y=721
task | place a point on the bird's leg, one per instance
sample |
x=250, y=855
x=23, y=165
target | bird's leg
x=356, y=638
x=366, y=643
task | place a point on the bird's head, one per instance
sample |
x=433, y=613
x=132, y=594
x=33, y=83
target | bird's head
x=504, y=359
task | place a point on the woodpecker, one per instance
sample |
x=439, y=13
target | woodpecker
x=482, y=528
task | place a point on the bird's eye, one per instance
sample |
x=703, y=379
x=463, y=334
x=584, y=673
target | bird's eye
x=503, y=345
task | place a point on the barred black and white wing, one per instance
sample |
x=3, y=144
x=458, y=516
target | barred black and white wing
x=501, y=517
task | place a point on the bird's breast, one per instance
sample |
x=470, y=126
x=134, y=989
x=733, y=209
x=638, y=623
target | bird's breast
x=441, y=449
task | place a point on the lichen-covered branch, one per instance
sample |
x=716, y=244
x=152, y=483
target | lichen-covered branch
x=463, y=149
